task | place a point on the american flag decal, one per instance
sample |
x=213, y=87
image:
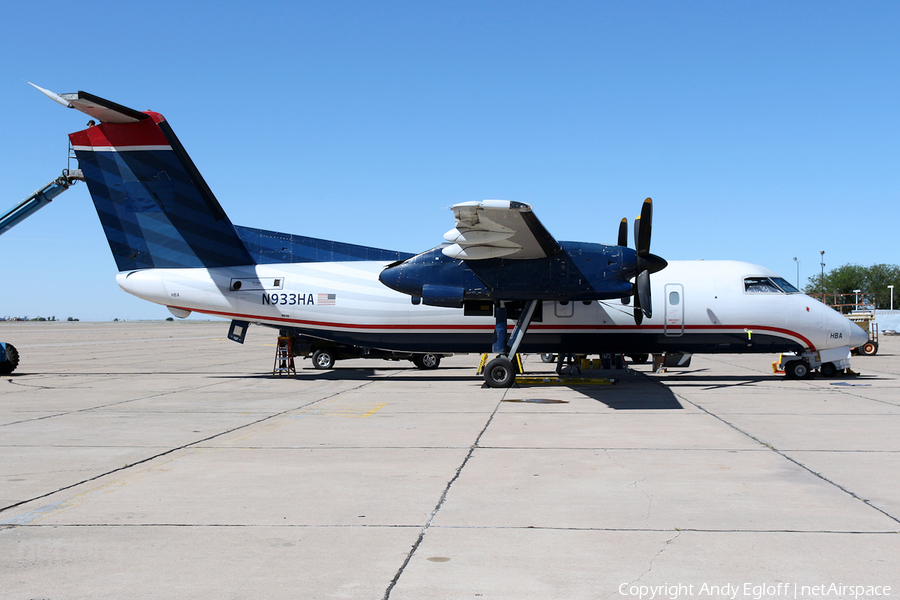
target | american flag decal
x=326, y=300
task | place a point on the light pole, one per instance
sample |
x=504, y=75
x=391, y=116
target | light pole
x=822, y=264
x=892, y=296
x=798, y=272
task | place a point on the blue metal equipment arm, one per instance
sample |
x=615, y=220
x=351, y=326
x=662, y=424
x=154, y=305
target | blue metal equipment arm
x=38, y=200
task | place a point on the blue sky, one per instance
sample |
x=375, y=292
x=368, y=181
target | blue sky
x=762, y=130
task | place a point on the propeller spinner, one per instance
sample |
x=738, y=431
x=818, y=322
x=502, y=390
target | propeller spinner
x=645, y=263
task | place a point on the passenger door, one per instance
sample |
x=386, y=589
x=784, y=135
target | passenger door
x=674, y=318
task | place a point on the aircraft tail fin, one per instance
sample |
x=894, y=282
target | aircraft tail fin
x=155, y=207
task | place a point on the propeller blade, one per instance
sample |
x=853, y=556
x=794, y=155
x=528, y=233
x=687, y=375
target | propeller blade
x=623, y=232
x=643, y=286
x=637, y=232
x=642, y=228
x=645, y=262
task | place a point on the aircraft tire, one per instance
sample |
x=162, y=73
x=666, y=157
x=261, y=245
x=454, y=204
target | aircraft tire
x=868, y=349
x=797, y=369
x=548, y=358
x=11, y=362
x=828, y=370
x=426, y=362
x=639, y=359
x=323, y=359
x=500, y=373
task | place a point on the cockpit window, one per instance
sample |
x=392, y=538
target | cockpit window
x=768, y=285
x=784, y=285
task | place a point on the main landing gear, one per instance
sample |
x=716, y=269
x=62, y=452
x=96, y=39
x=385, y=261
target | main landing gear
x=501, y=371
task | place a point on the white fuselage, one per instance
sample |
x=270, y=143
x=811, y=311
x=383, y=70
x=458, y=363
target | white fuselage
x=698, y=306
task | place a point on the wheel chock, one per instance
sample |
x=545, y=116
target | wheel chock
x=484, y=360
x=481, y=364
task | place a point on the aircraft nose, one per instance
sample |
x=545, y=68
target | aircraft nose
x=858, y=335
x=390, y=277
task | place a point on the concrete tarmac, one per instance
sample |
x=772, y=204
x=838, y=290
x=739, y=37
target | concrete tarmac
x=159, y=460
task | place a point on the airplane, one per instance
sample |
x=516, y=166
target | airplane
x=500, y=281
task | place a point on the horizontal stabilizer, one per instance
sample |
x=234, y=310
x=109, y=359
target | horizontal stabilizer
x=101, y=109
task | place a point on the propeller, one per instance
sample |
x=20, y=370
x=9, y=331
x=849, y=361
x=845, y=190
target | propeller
x=645, y=263
x=623, y=232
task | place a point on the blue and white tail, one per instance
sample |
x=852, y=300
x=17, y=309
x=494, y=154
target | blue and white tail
x=155, y=207
x=158, y=212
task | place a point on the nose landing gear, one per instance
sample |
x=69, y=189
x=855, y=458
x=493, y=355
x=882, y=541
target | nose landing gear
x=797, y=369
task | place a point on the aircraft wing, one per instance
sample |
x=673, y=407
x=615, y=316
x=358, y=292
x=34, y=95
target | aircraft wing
x=498, y=228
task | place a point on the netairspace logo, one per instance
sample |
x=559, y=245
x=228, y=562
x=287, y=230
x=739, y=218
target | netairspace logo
x=754, y=591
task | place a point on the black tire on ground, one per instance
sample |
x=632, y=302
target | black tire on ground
x=548, y=358
x=500, y=373
x=797, y=369
x=323, y=359
x=828, y=370
x=426, y=362
x=11, y=362
x=868, y=349
x=639, y=359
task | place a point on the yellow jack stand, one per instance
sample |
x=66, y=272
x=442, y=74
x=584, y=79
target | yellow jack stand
x=484, y=360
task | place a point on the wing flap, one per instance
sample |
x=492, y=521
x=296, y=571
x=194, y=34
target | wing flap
x=498, y=228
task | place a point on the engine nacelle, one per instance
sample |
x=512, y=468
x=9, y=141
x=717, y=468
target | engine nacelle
x=441, y=295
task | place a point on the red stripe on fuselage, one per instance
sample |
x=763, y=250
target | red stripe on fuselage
x=486, y=328
x=122, y=135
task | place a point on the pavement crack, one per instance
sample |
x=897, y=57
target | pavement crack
x=183, y=447
x=635, y=485
x=652, y=559
x=785, y=456
x=440, y=504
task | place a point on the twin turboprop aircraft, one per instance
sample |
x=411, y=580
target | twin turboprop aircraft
x=501, y=282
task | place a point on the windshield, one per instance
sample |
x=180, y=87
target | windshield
x=784, y=285
x=768, y=285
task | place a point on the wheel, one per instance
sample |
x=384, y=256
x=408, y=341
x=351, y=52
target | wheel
x=426, y=361
x=639, y=359
x=323, y=359
x=868, y=349
x=499, y=373
x=11, y=362
x=548, y=358
x=797, y=369
x=828, y=370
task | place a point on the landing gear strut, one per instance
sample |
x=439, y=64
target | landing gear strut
x=501, y=372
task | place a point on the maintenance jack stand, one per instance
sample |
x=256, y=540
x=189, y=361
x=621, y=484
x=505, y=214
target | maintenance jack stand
x=284, y=358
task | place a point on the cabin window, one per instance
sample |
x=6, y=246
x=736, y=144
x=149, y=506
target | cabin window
x=768, y=285
x=674, y=299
